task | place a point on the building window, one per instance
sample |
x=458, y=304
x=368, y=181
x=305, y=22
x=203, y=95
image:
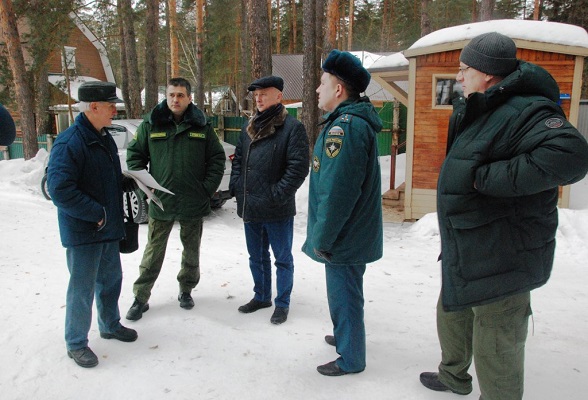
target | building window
x=445, y=89
x=68, y=59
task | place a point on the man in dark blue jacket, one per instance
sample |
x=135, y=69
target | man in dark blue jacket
x=509, y=148
x=85, y=182
x=270, y=164
x=344, y=204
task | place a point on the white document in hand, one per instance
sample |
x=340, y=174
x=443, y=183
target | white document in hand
x=146, y=182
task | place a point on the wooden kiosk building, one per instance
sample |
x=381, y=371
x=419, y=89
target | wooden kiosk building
x=430, y=67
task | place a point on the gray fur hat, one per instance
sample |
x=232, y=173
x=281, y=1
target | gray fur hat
x=98, y=91
x=491, y=53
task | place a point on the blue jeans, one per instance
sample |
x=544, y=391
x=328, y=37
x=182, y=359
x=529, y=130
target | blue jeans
x=345, y=296
x=94, y=269
x=259, y=236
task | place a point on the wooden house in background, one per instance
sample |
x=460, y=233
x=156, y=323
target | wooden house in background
x=82, y=58
x=430, y=67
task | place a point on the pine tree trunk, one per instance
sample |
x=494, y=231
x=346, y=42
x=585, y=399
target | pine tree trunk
x=174, y=49
x=537, y=10
x=310, y=70
x=425, y=20
x=278, y=29
x=24, y=95
x=331, y=26
x=134, y=108
x=486, y=9
x=124, y=69
x=260, y=39
x=199, y=47
x=294, y=27
x=42, y=100
x=151, y=53
x=245, y=74
x=351, y=17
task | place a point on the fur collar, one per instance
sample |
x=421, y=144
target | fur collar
x=269, y=129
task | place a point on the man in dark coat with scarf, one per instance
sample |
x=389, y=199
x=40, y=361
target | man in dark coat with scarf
x=270, y=164
x=85, y=182
x=344, y=204
x=509, y=148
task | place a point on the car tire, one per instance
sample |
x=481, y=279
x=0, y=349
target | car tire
x=138, y=207
x=44, y=187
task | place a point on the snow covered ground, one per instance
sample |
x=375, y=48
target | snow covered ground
x=215, y=352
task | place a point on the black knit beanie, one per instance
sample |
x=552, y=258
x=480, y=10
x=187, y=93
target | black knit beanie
x=491, y=53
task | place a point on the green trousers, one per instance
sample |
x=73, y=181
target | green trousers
x=158, y=235
x=494, y=335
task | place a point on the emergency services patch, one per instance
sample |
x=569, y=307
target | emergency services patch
x=333, y=147
x=336, y=131
x=316, y=164
x=197, y=135
x=158, y=135
x=554, y=123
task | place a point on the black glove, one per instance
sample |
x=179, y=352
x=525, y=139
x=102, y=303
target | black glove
x=129, y=184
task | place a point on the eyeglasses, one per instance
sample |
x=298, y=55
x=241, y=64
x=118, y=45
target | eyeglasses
x=463, y=69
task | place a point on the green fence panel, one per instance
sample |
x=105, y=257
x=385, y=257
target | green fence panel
x=16, y=150
x=232, y=137
x=386, y=113
x=293, y=112
x=232, y=127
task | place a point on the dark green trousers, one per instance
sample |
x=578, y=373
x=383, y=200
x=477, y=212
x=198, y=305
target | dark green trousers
x=494, y=335
x=158, y=235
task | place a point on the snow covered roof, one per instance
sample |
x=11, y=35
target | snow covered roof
x=74, y=84
x=570, y=39
x=573, y=37
x=396, y=60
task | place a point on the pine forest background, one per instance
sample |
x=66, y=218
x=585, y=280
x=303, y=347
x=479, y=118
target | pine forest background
x=230, y=42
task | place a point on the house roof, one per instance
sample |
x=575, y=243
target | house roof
x=99, y=46
x=289, y=67
x=538, y=35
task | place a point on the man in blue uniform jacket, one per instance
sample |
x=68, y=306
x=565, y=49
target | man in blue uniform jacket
x=344, y=204
x=85, y=182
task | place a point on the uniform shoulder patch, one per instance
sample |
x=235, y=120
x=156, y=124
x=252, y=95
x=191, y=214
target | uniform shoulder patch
x=333, y=146
x=336, y=131
x=554, y=123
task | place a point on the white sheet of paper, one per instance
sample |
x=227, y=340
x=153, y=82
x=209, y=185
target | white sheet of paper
x=145, y=177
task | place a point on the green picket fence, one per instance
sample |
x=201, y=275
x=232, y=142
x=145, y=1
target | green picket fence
x=15, y=150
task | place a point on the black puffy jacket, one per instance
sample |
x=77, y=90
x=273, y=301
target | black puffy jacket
x=268, y=170
x=508, y=150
